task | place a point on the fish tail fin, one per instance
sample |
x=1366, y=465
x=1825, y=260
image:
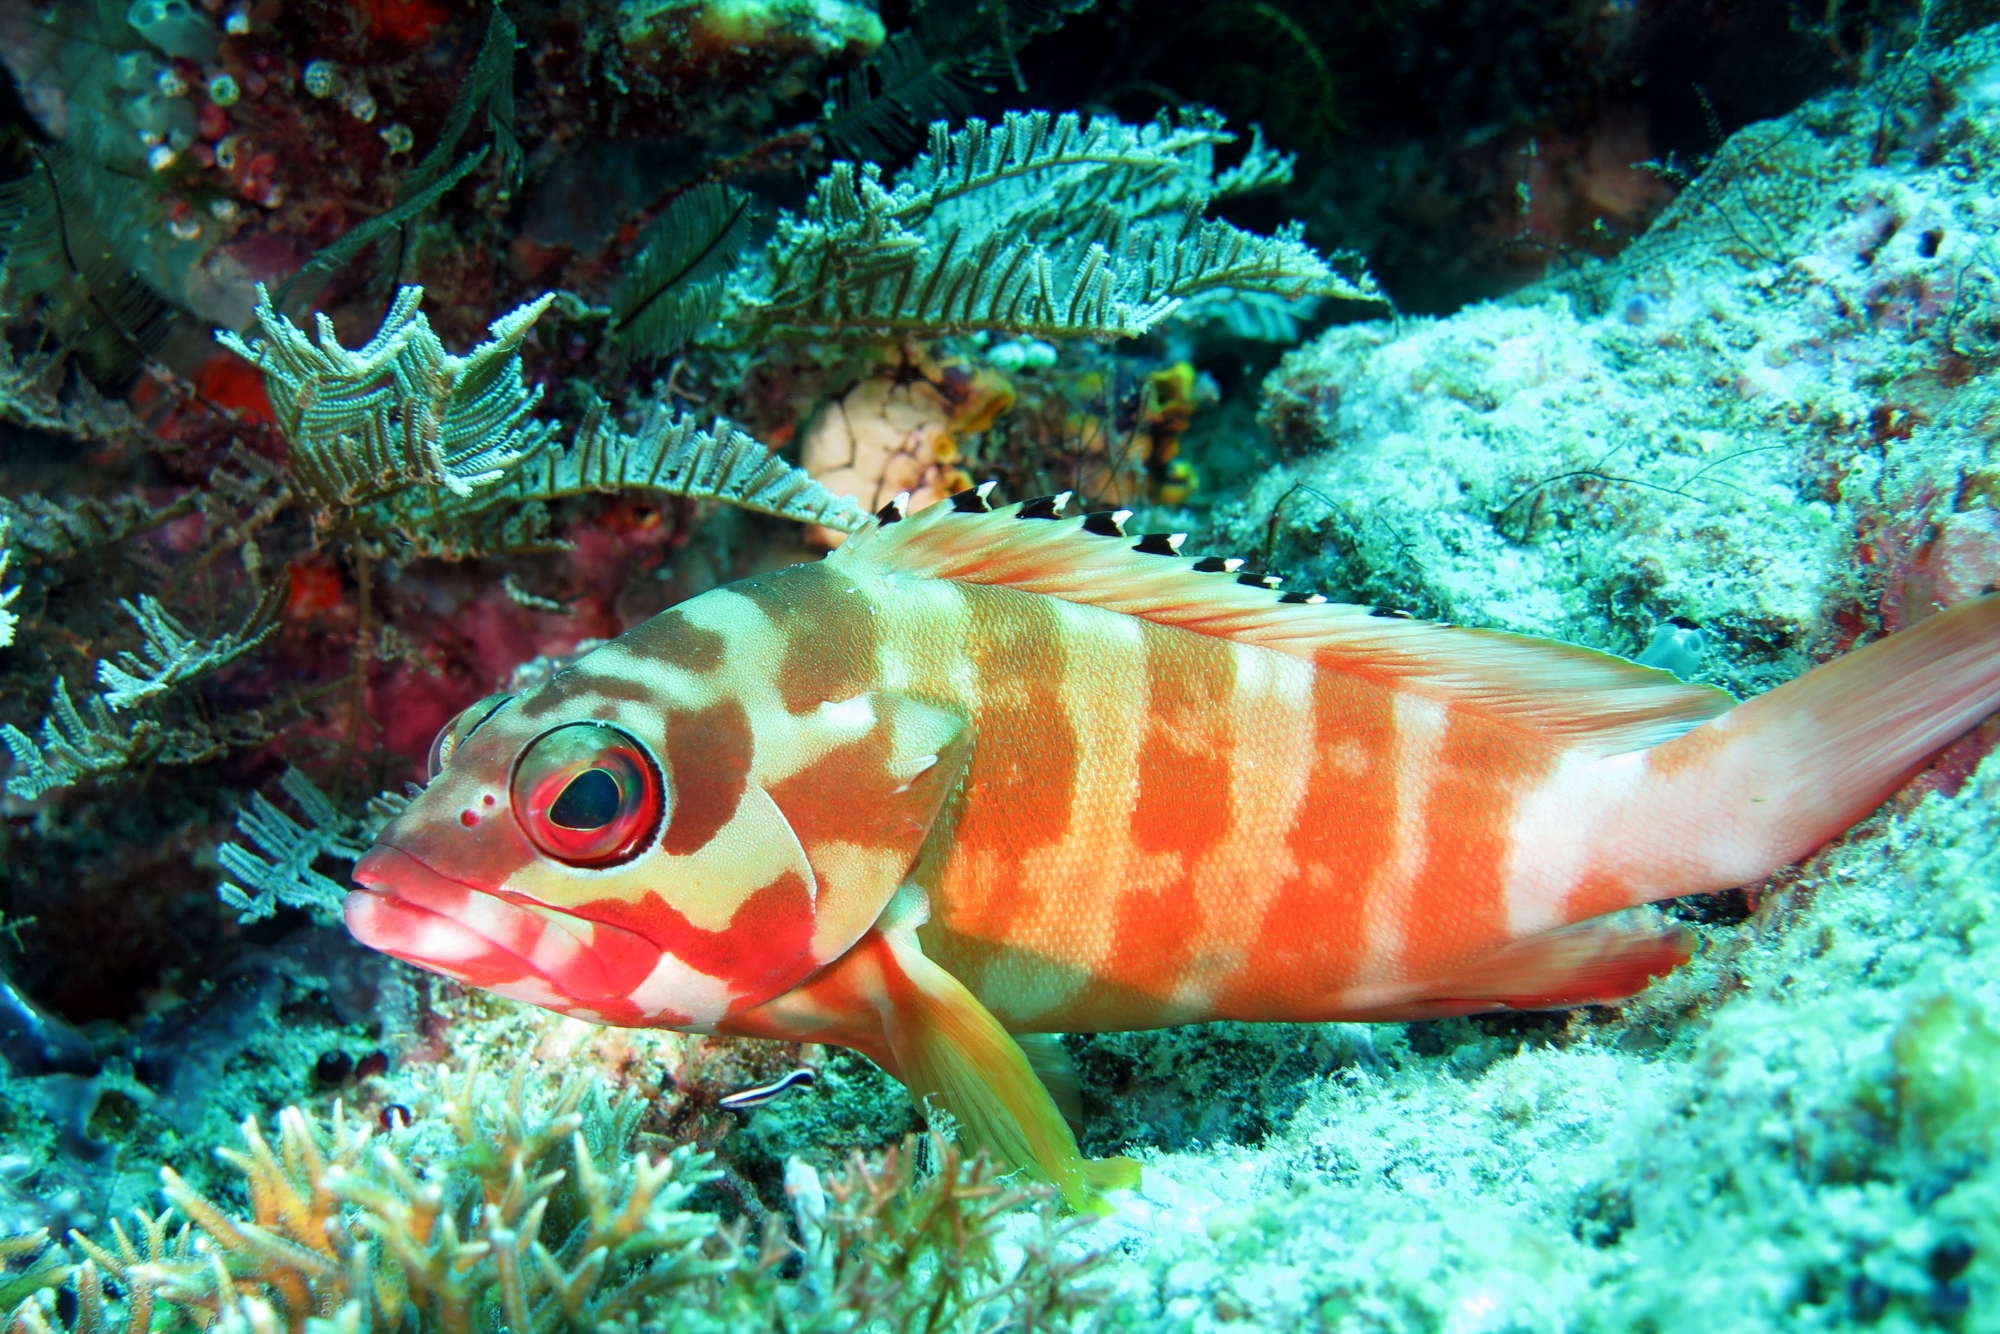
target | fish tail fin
x=952, y=1053
x=1779, y=775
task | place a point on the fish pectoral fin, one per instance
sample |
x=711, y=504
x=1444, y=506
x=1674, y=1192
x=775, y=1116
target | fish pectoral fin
x=1051, y=1062
x=954, y=1055
x=1585, y=963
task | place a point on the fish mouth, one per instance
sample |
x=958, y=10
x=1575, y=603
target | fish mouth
x=525, y=951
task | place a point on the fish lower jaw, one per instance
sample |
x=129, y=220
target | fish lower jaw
x=440, y=944
x=526, y=952
x=407, y=910
x=429, y=939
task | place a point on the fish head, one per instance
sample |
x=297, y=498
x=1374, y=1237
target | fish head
x=619, y=845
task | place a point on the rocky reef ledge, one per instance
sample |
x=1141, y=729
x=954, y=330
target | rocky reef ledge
x=1761, y=434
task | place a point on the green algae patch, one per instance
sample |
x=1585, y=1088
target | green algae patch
x=1947, y=1057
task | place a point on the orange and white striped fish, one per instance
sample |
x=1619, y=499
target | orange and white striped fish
x=984, y=775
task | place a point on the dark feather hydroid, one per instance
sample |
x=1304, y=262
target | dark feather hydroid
x=56, y=248
x=953, y=51
x=674, y=284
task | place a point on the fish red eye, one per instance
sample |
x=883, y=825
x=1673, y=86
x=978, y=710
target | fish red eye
x=589, y=795
x=453, y=734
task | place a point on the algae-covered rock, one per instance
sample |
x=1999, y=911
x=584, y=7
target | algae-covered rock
x=1769, y=420
x=1947, y=1055
x=669, y=32
x=1745, y=423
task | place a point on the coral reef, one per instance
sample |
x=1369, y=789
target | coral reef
x=526, y=1209
x=1746, y=423
x=1740, y=422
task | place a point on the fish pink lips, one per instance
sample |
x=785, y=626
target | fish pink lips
x=404, y=908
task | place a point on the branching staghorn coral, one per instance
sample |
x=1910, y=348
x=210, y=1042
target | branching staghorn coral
x=521, y=1208
x=1043, y=225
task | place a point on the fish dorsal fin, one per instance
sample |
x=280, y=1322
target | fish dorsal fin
x=1595, y=702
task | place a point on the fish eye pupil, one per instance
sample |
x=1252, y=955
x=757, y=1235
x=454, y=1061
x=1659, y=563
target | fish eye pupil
x=590, y=801
x=588, y=795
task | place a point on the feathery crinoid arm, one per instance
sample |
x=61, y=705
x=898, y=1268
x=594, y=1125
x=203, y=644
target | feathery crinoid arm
x=670, y=454
x=400, y=439
x=1045, y=225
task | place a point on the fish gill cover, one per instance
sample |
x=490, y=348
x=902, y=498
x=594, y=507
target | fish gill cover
x=365, y=359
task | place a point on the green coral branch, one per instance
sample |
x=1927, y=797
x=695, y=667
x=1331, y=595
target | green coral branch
x=83, y=741
x=45, y=530
x=88, y=740
x=1035, y=165
x=171, y=657
x=75, y=744
x=400, y=438
x=672, y=454
x=8, y=620
x=674, y=285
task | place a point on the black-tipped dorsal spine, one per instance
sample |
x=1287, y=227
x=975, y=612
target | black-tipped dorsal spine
x=974, y=501
x=1304, y=599
x=895, y=511
x=1106, y=523
x=1044, y=507
x=1258, y=579
x=1160, y=544
x=1219, y=564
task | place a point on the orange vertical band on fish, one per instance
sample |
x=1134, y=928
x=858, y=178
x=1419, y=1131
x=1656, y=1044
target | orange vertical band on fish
x=983, y=774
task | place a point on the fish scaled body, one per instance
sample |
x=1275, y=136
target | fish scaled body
x=981, y=776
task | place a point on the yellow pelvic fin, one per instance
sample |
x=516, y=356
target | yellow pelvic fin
x=955, y=1055
x=1050, y=1061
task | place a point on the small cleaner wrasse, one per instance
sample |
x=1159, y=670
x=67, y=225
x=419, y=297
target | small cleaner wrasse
x=986, y=775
